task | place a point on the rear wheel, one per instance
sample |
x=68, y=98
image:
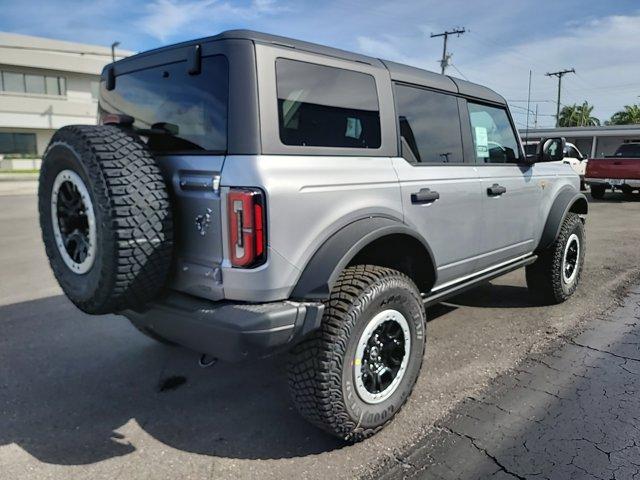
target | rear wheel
x=598, y=191
x=358, y=370
x=555, y=276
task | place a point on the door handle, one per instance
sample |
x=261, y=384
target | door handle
x=424, y=196
x=496, y=190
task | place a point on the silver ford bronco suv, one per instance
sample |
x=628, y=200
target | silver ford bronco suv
x=246, y=194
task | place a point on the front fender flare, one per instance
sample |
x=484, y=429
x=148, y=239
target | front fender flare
x=334, y=255
x=567, y=200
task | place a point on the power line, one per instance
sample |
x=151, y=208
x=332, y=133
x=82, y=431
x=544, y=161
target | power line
x=458, y=70
x=559, y=74
x=444, y=63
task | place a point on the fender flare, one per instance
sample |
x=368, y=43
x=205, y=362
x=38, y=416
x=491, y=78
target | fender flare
x=567, y=200
x=334, y=254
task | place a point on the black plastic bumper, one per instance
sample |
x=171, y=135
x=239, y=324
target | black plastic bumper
x=230, y=331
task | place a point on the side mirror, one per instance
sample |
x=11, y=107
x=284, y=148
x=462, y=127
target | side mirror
x=551, y=149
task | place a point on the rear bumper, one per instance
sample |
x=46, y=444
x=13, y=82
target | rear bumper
x=632, y=182
x=230, y=331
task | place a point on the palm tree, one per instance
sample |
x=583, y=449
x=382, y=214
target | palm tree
x=630, y=115
x=577, y=116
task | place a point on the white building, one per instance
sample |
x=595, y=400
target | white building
x=46, y=84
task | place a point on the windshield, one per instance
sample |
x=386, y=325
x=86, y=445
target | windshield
x=174, y=111
x=629, y=150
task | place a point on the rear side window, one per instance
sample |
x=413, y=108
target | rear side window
x=176, y=111
x=320, y=106
x=493, y=136
x=429, y=126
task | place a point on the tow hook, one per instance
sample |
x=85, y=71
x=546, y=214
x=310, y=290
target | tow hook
x=207, y=361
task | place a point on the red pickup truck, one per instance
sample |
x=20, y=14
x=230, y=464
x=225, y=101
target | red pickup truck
x=619, y=171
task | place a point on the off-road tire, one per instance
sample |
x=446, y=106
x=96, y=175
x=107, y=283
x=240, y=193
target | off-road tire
x=134, y=229
x=545, y=277
x=321, y=368
x=598, y=191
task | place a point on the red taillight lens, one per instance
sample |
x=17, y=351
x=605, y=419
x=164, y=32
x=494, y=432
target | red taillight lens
x=245, y=216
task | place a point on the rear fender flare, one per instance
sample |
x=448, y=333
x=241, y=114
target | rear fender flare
x=334, y=255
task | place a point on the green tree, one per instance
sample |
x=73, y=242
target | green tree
x=577, y=116
x=630, y=115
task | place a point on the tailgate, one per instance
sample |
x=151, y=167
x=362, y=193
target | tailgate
x=195, y=196
x=620, y=168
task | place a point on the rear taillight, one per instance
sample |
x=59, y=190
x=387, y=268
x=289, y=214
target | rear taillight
x=246, y=220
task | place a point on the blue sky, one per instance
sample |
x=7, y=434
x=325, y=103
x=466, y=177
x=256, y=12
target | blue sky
x=506, y=38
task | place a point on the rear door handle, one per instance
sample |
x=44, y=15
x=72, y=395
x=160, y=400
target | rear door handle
x=424, y=196
x=496, y=190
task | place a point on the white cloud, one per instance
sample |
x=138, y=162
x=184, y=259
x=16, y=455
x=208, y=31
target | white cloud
x=164, y=19
x=602, y=50
x=380, y=48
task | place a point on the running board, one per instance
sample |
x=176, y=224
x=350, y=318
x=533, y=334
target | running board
x=474, y=282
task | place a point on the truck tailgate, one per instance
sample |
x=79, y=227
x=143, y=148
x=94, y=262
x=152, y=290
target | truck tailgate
x=627, y=168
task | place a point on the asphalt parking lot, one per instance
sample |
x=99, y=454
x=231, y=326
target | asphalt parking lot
x=89, y=397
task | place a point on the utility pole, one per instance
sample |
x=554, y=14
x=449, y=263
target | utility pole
x=559, y=74
x=444, y=63
x=526, y=135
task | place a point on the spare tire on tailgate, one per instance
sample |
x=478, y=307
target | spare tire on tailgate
x=105, y=217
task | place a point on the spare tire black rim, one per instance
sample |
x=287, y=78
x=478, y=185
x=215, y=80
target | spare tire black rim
x=382, y=356
x=74, y=222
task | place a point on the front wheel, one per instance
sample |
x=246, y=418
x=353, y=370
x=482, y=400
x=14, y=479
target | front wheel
x=360, y=367
x=555, y=276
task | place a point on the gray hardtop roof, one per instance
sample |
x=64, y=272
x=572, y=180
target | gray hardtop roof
x=398, y=72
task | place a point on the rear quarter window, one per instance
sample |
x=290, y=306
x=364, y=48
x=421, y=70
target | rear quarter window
x=175, y=111
x=323, y=106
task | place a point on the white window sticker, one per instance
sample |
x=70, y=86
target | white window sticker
x=482, y=142
x=354, y=128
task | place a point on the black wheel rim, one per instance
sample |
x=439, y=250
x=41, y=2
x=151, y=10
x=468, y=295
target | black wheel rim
x=73, y=222
x=382, y=355
x=571, y=259
x=74, y=225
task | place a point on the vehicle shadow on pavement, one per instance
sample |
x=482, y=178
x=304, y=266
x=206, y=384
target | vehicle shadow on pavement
x=615, y=197
x=77, y=389
x=490, y=295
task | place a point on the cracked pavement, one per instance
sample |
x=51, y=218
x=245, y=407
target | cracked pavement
x=569, y=413
x=89, y=397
